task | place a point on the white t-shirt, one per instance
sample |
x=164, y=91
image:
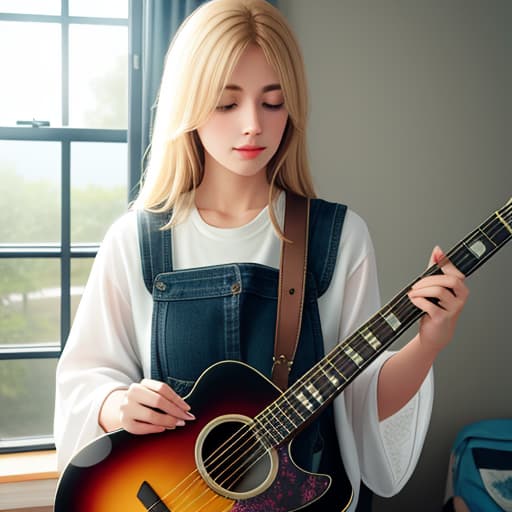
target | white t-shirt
x=109, y=343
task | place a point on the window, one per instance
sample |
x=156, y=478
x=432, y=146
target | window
x=64, y=176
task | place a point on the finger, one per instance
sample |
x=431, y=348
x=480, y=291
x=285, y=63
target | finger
x=133, y=412
x=443, y=262
x=437, y=255
x=450, y=282
x=167, y=392
x=445, y=298
x=427, y=306
x=157, y=418
x=152, y=400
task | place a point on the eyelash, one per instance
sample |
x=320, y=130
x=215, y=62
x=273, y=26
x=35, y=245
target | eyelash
x=227, y=108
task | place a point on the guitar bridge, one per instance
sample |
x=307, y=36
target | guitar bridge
x=150, y=499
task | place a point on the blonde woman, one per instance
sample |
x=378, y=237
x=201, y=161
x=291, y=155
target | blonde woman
x=229, y=144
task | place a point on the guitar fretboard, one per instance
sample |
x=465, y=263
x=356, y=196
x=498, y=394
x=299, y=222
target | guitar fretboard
x=319, y=386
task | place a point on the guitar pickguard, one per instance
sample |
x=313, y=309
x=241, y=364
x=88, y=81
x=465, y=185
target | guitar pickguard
x=292, y=489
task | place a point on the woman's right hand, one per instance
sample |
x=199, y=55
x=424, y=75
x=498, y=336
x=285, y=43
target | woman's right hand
x=146, y=407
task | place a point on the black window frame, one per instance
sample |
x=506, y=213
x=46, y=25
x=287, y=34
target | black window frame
x=65, y=251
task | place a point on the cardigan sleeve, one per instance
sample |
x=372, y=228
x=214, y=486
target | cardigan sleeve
x=100, y=355
x=384, y=454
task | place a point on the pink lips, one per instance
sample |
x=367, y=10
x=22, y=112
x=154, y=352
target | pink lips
x=248, y=152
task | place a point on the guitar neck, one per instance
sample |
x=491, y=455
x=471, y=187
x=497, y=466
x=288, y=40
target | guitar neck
x=304, y=400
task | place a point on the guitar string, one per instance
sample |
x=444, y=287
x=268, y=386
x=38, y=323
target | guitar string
x=288, y=418
x=333, y=393
x=196, y=473
x=292, y=406
x=322, y=370
x=463, y=260
x=407, y=306
x=248, y=427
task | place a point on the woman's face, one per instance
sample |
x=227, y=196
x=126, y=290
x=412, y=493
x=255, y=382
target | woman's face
x=244, y=131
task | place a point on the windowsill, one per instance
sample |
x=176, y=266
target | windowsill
x=28, y=479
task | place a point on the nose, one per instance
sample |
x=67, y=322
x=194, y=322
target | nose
x=251, y=120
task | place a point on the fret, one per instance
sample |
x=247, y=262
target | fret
x=508, y=227
x=391, y=320
x=381, y=328
x=271, y=429
x=305, y=402
x=260, y=426
x=406, y=310
x=336, y=369
x=299, y=405
x=359, y=344
x=286, y=401
x=488, y=238
x=498, y=233
x=277, y=422
x=370, y=338
x=358, y=360
x=284, y=414
x=315, y=393
x=480, y=247
x=345, y=364
x=332, y=379
x=463, y=259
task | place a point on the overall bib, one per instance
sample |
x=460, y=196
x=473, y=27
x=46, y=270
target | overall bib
x=209, y=314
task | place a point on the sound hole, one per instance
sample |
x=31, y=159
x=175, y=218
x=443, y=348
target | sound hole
x=232, y=459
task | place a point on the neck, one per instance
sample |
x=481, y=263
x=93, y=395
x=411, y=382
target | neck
x=226, y=199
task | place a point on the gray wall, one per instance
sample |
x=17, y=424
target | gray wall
x=411, y=127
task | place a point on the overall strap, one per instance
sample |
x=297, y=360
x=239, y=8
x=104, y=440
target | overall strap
x=292, y=279
x=154, y=245
x=325, y=228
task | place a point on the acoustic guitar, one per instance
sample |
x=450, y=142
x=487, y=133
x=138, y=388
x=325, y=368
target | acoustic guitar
x=236, y=455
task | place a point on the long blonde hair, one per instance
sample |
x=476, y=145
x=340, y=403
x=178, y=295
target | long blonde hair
x=198, y=64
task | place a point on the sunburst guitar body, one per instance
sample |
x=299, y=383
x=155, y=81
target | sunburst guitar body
x=220, y=462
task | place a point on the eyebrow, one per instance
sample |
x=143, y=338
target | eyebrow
x=266, y=88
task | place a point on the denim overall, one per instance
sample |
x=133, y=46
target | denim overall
x=208, y=314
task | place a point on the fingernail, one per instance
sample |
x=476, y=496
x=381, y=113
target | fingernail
x=191, y=416
x=180, y=423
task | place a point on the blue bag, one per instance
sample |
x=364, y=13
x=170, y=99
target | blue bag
x=482, y=466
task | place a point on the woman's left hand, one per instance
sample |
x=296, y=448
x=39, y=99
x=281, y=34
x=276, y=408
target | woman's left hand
x=437, y=326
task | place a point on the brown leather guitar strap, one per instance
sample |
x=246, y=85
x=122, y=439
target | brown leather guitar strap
x=292, y=278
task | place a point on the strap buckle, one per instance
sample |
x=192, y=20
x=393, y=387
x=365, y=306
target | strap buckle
x=282, y=359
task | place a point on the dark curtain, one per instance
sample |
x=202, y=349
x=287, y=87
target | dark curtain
x=153, y=23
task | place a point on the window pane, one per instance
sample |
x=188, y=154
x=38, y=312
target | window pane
x=99, y=8
x=29, y=301
x=80, y=270
x=98, y=188
x=98, y=76
x=30, y=171
x=30, y=87
x=27, y=392
x=30, y=6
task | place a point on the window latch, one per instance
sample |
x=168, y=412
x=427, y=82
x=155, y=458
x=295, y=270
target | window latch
x=34, y=123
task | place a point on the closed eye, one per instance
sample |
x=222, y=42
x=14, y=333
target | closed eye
x=225, y=108
x=273, y=106
x=231, y=106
